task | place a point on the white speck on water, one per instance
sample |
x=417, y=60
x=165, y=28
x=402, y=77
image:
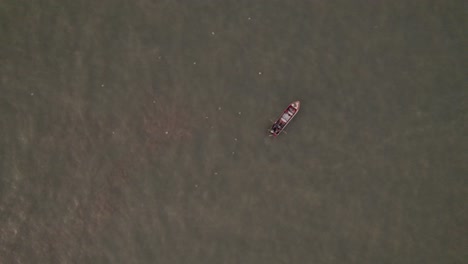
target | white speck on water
x=239, y=113
x=113, y=132
x=154, y=101
x=249, y=18
x=206, y=117
x=167, y=132
x=196, y=185
x=102, y=85
x=194, y=62
x=32, y=94
x=212, y=33
x=159, y=57
x=215, y=173
x=259, y=73
x=219, y=107
x=233, y=153
x=235, y=139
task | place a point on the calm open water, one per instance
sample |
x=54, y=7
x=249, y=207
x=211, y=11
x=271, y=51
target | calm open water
x=136, y=132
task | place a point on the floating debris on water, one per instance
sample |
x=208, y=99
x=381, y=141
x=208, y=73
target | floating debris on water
x=212, y=33
x=102, y=85
x=259, y=73
x=167, y=132
x=239, y=113
x=235, y=139
x=194, y=62
x=249, y=18
x=32, y=94
x=219, y=108
x=215, y=173
x=206, y=117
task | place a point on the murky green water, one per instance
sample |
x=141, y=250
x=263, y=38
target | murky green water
x=136, y=132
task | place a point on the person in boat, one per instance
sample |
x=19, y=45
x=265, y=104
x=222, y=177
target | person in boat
x=275, y=128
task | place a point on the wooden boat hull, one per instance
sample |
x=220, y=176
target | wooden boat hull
x=285, y=118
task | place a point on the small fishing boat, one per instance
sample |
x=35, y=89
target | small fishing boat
x=286, y=117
